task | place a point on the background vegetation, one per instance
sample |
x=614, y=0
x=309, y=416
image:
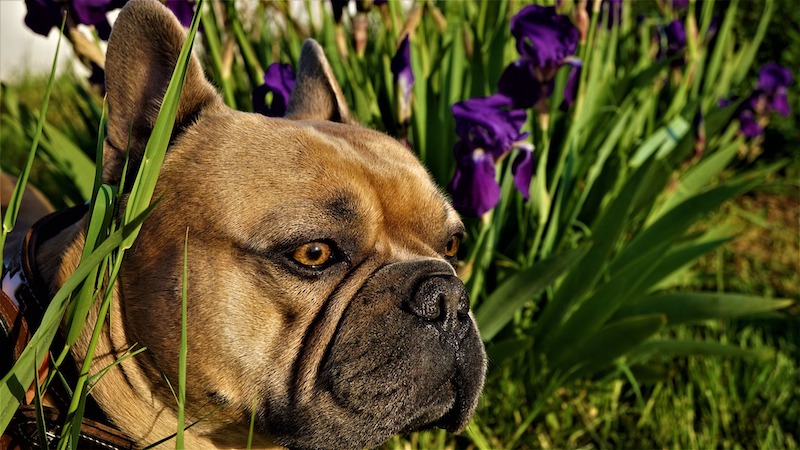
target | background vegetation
x=613, y=365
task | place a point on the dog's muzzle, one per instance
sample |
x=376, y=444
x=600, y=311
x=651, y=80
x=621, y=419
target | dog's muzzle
x=406, y=356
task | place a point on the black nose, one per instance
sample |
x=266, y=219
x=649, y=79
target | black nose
x=441, y=299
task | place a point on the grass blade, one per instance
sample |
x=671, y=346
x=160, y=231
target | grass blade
x=685, y=307
x=522, y=287
x=40, y=422
x=12, y=385
x=608, y=344
x=156, y=148
x=16, y=197
x=588, y=270
x=79, y=306
x=184, y=346
x=675, y=348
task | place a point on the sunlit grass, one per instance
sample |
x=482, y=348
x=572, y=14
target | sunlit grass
x=530, y=401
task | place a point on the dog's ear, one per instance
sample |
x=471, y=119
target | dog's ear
x=316, y=94
x=142, y=52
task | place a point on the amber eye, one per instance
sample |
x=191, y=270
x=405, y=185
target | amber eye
x=451, y=249
x=313, y=254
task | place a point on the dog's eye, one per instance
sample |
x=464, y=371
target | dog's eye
x=451, y=248
x=313, y=255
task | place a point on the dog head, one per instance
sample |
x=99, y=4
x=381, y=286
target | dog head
x=321, y=289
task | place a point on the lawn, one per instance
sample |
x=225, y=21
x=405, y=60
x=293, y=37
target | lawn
x=628, y=176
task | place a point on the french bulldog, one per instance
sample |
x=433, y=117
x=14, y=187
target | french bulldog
x=322, y=295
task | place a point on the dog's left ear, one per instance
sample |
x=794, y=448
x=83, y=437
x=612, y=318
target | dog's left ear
x=142, y=51
x=316, y=94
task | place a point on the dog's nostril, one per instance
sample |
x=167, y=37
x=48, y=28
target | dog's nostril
x=440, y=298
x=427, y=307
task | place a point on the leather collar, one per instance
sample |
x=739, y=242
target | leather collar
x=23, y=301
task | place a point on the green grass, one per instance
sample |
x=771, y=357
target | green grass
x=73, y=117
x=694, y=401
x=699, y=402
x=763, y=259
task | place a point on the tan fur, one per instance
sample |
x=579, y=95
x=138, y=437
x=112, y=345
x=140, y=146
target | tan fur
x=249, y=189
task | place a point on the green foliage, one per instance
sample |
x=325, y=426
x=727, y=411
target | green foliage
x=10, y=218
x=100, y=263
x=69, y=132
x=781, y=39
x=581, y=282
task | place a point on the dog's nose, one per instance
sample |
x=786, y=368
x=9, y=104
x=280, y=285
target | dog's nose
x=441, y=299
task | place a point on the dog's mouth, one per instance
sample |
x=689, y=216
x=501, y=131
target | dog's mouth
x=451, y=414
x=434, y=414
x=400, y=360
x=363, y=411
x=430, y=397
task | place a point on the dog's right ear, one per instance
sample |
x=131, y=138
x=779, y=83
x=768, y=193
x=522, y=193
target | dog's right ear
x=316, y=94
x=142, y=52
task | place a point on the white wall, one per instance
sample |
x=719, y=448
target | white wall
x=23, y=51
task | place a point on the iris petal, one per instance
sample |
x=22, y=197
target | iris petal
x=474, y=188
x=183, y=10
x=771, y=77
x=401, y=67
x=42, y=16
x=543, y=36
x=519, y=83
x=484, y=123
x=278, y=79
x=748, y=124
x=571, y=88
x=522, y=168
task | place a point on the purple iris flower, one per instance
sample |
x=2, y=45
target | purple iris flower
x=488, y=131
x=279, y=80
x=484, y=123
x=676, y=39
x=545, y=41
x=679, y=4
x=571, y=88
x=401, y=68
x=772, y=77
x=520, y=83
x=93, y=12
x=474, y=188
x=543, y=36
x=746, y=115
x=183, y=10
x=748, y=124
x=676, y=35
x=773, y=81
x=90, y=12
x=522, y=168
x=771, y=95
x=43, y=15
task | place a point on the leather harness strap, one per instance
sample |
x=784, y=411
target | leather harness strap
x=23, y=301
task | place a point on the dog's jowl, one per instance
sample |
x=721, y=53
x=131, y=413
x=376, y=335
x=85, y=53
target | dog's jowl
x=322, y=289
